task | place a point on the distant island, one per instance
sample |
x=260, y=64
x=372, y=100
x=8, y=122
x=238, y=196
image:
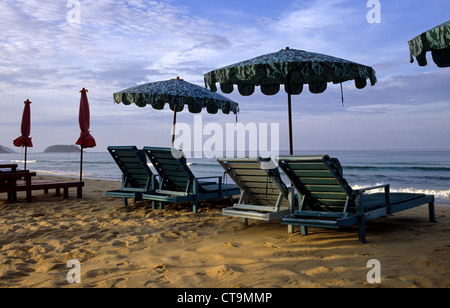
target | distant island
x=4, y=149
x=62, y=149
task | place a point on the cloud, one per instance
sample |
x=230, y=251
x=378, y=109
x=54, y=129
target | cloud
x=119, y=44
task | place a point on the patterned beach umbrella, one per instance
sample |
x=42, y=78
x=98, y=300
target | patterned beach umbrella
x=25, y=139
x=436, y=40
x=84, y=118
x=177, y=93
x=291, y=68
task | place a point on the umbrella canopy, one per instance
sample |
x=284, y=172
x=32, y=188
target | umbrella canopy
x=25, y=140
x=291, y=68
x=84, y=119
x=436, y=40
x=177, y=93
x=85, y=140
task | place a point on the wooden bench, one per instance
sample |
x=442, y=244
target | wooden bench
x=13, y=180
x=46, y=185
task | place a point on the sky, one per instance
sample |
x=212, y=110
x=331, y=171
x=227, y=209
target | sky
x=49, y=51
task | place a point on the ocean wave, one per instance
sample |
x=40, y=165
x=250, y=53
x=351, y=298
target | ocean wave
x=393, y=168
x=23, y=161
x=58, y=173
x=439, y=194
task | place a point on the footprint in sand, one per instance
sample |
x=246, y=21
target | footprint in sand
x=230, y=245
x=223, y=270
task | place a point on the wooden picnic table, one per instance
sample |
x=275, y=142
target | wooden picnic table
x=11, y=167
x=8, y=182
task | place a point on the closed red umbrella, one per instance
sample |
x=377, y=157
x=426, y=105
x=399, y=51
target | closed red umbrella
x=25, y=139
x=85, y=140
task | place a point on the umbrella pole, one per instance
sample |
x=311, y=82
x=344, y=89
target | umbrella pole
x=81, y=165
x=291, y=145
x=25, y=168
x=174, y=123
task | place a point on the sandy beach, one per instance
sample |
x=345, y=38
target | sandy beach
x=174, y=248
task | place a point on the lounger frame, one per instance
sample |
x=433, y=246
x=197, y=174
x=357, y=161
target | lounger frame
x=264, y=196
x=137, y=177
x=180, y=184
x=327, y=201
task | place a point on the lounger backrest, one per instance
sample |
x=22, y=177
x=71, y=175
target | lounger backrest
x=133, y=164
x=261, y=186
x=174, y=172
x=319, y=179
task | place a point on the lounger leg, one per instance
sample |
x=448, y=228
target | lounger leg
x=195, y=207
x=154, y=205
x=432, y=212
x=161, y=205
x=362, y=231
x=291, y=229
x=304, y=230
x=28, y=184
x=125, y=202
x=245, y=221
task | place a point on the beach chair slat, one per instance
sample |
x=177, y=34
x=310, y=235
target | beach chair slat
x=244, y=165
x=250, y=172
x=320, y=181
x=326, y=188
x=307, y=166
x=312, y=173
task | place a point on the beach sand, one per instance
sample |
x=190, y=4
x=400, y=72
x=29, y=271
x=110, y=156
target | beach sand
x=174, y=248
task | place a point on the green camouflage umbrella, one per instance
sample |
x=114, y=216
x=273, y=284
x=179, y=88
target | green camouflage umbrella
x=436, y=40
x=291, y=68
x=177, y=93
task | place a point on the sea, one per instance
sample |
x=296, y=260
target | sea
x=420, y=171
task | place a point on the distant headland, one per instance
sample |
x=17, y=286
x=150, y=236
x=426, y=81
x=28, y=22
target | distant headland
x=4, y=149
x=62, y=149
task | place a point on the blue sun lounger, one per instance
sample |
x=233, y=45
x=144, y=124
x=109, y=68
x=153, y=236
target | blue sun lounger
x=178, y=184
x=137, y=177
x=327, y=200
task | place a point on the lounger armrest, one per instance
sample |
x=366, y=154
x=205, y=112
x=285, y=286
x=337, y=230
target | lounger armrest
x=196, y=182
x=359, y=197
x=363, y=190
